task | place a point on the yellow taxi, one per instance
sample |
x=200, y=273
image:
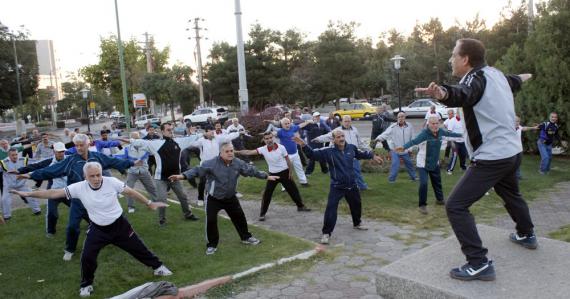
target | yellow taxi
x=355, y=110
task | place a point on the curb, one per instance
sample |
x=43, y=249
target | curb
x=202, y=287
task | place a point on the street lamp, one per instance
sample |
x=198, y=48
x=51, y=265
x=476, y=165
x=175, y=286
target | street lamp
x=85, y=93
x=397, y=64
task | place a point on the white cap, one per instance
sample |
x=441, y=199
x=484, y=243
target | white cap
x=316, y=113
x=59, y=147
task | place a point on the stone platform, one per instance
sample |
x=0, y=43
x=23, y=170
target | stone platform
x=521, y=273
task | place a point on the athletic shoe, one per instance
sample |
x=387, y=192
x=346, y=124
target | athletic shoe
x=305, y=185
x=86, y=291
x=449, y=173
x=485, y=272
x=162, y=223
x=67, y=255
x=38, y=213
x=527, y=241
x=211, y=250
x=200, y=203
x=282, y=189
x=50, y=236
x=423, y=210
x=251, y=241
x=303, y=209
x=131, y=210
x=261, y=218
x=162, y=271
x=440, y=202
x=360, y=227
x=191, y=217
x=325, y=239
x=239, y=195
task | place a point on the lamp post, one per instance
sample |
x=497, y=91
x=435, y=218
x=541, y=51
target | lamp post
x=242, y=92
x=85, y=93
x=397, y=64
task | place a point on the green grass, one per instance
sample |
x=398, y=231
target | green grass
x=563, y=234
x=398, y=202
x=32, y=267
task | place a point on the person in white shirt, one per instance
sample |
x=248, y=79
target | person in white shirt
x=431, y=113
x=459, y=149
x=99, y=195
x=209, y=146
x=279, y=165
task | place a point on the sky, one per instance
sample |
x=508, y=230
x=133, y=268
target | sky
x=76, y=26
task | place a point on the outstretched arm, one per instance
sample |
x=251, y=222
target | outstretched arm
x=132, y=193
x=51, y=193
x=247, y=152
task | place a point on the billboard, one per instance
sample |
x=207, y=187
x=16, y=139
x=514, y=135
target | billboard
x=139, y=100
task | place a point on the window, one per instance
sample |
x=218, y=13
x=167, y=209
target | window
x=358, y=107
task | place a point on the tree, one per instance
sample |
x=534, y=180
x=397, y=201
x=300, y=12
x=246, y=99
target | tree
x=28, y=68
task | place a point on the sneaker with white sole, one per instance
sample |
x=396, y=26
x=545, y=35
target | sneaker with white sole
x=239, y=195
x=162, y=271
x=325, y=239
x=251, y=241
x=67, y=255
x=527, y=241
x=200, y=203
x=467, y=272
x=131, y=210
x=211, y=250
x=360, y=227
x=86, y=291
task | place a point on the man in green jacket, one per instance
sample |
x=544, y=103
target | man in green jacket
x=427, y=161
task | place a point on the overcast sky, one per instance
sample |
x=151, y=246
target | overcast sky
x=76, y=26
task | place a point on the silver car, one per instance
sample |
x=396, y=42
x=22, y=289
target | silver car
x=420, y=107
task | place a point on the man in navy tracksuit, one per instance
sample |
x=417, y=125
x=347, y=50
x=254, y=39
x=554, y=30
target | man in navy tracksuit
x=72, y=167
x=548, y=132
x=340, y=159
x=486, y=96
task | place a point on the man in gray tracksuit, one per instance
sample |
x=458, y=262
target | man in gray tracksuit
x=222, y=175
x=138, y=173
x=486, y=96
x=9, y=168
x=399, y=134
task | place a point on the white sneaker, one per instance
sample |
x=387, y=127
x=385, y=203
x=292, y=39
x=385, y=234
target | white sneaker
x=162, y=271
x=211, y=250
x=251, y=241
x=200, y=203
x=325, y=239
x=282, y=189
x=131, y=210
x=239, y=195
x=86, y=291
x=67, y=255
x=449, y=173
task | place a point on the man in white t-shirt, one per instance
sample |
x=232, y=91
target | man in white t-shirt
x=431, y=113
x=99, y=196
x=279, y=165
x=459, y=149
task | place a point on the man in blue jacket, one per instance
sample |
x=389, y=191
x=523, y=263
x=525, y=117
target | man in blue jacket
x=548, y=132
x=429, y=141
x=72, y=167
x=313, y=130
x=340, y=159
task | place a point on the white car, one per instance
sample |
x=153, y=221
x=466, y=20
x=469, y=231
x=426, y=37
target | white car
x=143, y=119
x=419, y=108
x=200, y=116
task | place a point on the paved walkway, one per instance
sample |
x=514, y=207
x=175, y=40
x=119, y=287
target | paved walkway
x=360, y=254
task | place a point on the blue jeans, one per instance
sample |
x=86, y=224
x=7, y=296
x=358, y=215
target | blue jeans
x=352, y=196
x=358, y=175
x=76, y=212
x=396, y=166
x=545, y=155
x=435, y=177
x=52, y=213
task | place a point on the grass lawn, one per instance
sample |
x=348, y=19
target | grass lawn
x=563, y=234
x=31, y=265
x=398, y=202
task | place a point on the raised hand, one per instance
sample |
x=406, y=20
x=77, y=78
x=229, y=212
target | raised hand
x=272, y=178
x=433, y=90
x=378, y=159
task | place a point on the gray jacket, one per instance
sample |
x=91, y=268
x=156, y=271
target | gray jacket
x=222, y=178
x=397, y=136
x=351, y=136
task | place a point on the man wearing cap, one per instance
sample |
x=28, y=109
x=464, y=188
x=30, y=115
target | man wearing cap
x=56, y=183
x=313, y=130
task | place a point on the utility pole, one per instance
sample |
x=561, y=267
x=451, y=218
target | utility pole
x=530, y=16
x=198, y=58
x=122, y=68
x=147, y=43
x=243, y=96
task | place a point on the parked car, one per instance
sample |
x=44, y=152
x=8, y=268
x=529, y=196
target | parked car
x=120, y=122
x=355, y=110
x=115, y=114
x=144, y=119
x=102, y=115
x=420, y=107
x=200, y=116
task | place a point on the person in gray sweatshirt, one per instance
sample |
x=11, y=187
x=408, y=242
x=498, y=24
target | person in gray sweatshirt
x=222, y=175
x=399, y=134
